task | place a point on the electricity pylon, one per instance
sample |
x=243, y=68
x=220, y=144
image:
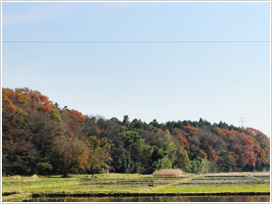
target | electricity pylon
x=242, y=121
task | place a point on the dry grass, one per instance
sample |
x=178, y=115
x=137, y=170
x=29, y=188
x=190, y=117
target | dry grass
x=168, y=173
x=34, y=176
x=16, y=177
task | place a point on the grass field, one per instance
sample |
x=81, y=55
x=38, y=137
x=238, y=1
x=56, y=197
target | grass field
x=216, y=189
x=23, y=188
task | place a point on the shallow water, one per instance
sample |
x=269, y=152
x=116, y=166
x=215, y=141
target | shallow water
x=130, y=185
x=265, y=198
x=220, y=180
x=212, y=184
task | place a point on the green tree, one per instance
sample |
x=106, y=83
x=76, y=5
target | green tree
x=182, y=161
x=163, y=163
x=227, y=161
x=99, y=158
x=196, y=165
x=209, y=167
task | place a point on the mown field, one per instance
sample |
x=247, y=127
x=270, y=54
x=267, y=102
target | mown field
x=17, y=188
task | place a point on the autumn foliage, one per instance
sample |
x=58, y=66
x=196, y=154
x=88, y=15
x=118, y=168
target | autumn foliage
x=39, y=137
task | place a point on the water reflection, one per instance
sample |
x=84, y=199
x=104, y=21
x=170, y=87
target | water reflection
x=265, y=198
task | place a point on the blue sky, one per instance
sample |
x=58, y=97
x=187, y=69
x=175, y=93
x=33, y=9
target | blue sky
x=213, y=81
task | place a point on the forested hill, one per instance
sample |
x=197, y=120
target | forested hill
x=39, y=137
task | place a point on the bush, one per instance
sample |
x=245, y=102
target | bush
x=209, y=167
x=163, y=163
x=44, y=168
x=196, y=165
x=168, y=173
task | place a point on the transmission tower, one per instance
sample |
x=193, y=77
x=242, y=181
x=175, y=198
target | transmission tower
x=242, y=121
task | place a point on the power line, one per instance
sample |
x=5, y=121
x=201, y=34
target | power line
x=130, y=42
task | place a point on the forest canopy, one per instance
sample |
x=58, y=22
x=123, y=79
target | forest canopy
x=39, y=137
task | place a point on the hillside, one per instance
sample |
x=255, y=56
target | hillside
x=39, y=137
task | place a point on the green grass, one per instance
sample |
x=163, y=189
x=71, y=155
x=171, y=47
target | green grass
x=17, y=197
x=213, y=189
x=72, y=185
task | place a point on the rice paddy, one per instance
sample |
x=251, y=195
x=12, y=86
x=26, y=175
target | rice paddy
x=16, y=189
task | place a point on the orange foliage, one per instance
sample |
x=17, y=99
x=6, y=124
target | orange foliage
x=226, y=131
x=46, y=107
x=36, y=95
x=78, y=115
x=182, y=140
x=25, y=90
x=10, y=103
x=191, y=130
x=211, y=155
x=10, y=92
x=71, y=134
x=44, y=99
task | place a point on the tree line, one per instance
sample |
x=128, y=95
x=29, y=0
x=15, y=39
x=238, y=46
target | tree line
x=39, y=137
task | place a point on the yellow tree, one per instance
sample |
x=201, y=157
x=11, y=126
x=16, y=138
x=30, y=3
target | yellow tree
x=71, y=153
x=99, y=158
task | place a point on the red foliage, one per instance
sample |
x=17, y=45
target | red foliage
x=226, y=132
x=258, y=162
x=245, y=150
x=211, y=155
x=160, y=130
x=253, y=131
x=242, y=144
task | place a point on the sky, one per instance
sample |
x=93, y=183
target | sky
x=163, y=81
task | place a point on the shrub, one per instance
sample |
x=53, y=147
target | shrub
x=163, y=163
x=44, y=168
x=209, y=167
x=196, y=165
